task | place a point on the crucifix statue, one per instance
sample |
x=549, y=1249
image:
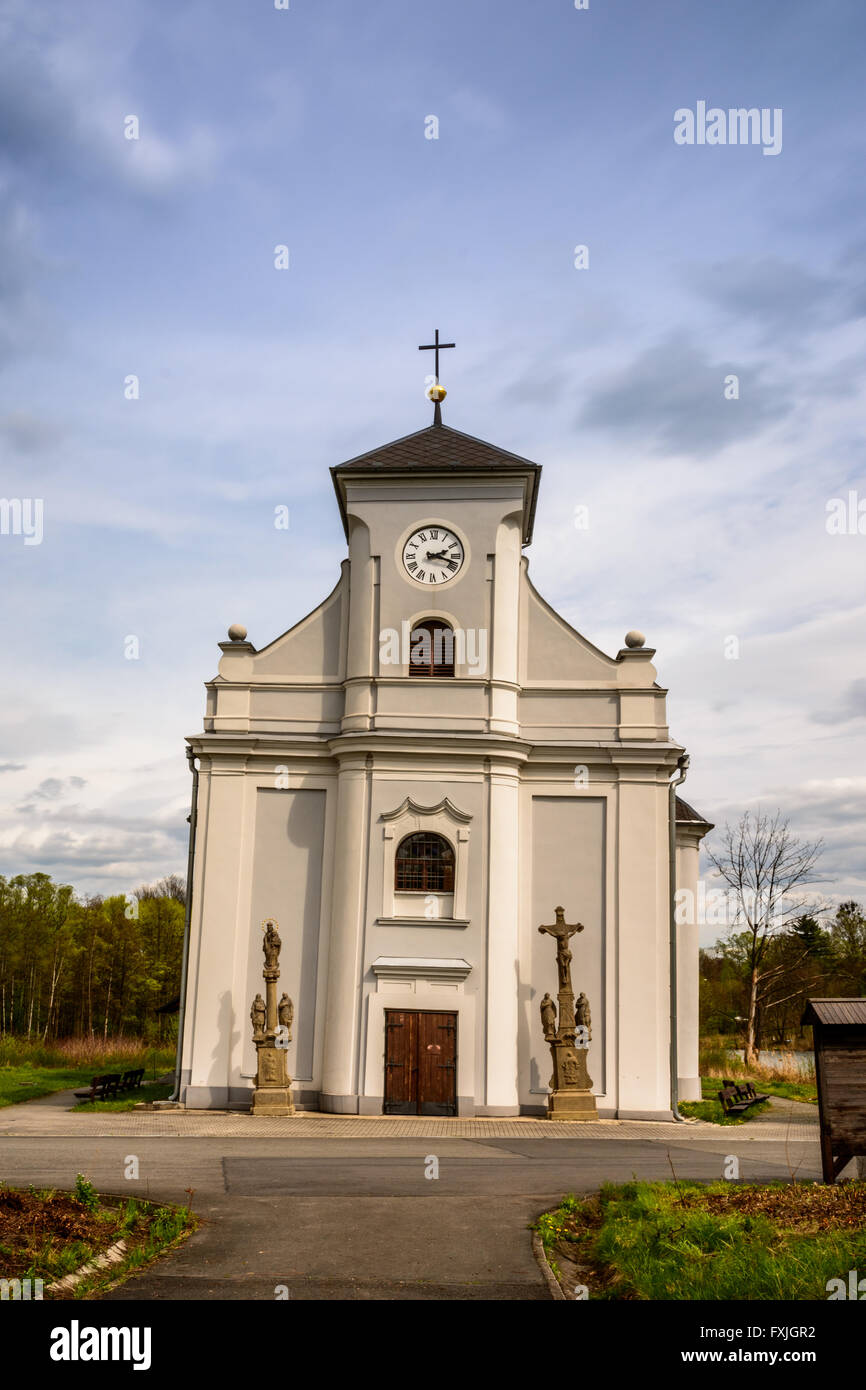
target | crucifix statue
x=571, y=1096
x=562, y=931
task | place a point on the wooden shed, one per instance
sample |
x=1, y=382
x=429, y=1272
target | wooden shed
x=839, y=1028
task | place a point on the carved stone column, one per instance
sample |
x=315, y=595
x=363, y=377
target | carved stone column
x=571, y=1096
x=273, y=1092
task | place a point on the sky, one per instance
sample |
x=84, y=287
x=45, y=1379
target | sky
x=164, y=386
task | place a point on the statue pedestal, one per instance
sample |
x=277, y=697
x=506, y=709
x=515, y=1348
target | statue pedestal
x=571, y=1105
x=571, y=1096
x=273, y=1093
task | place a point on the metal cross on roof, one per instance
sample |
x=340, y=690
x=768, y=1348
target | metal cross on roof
x=434, y=347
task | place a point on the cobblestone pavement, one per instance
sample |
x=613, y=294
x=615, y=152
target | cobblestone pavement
x=50, y=1117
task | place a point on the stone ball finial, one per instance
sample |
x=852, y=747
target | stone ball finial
x=237, y=632
x=635, y=638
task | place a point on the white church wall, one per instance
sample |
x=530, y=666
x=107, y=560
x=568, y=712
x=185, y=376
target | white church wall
x=223, y=852
x=503, y=939
x=311, y=649
x=643, y=937
x=348, y=877
x=571, y=714
x=688, y=983
x=296, y=709
x=448, y=703
x=552, y=651
x=287, y=886
x=565, y=867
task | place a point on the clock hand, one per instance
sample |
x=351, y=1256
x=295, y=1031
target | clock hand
x=436, y=554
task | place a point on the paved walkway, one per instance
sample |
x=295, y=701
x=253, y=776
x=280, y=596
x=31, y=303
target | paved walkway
x=51, y=1116
x=339, y=1207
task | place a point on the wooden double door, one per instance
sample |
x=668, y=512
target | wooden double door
x=420, y=1063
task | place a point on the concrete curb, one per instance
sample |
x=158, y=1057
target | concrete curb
x=553, y=1285
x=112, y=1256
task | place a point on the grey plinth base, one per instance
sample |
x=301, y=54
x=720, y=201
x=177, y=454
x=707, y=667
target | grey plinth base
x=338, y=1105
x=273, y=1100
x=571, y=1105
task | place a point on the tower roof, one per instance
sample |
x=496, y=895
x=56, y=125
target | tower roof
x=686, y=813
x=440, y=449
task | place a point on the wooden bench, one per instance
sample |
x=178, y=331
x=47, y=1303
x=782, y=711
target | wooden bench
x=730, y=1103
x=754, y=1096
x=746, y=1092
x=131, y=1080
x=101, y=1087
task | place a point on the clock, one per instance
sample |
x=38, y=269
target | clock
x=433, y=555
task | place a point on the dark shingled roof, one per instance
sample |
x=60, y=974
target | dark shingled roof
x=438, y=446
x=836, y=1012
x=685, y=812
x=440, y=449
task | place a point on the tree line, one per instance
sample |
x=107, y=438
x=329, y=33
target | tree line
x=783, y=946
x=99, y=967
x=805, y=962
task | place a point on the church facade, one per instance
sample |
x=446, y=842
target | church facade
x=409, y=782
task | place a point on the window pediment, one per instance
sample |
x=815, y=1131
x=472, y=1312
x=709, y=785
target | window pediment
x=443, y=819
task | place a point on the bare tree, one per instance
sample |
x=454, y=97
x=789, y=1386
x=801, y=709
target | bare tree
x=766, y=869
x=172, y=886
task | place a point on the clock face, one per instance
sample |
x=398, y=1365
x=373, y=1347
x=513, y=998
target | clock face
x=433, y=555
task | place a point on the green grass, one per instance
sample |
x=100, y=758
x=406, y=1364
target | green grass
x=155, y=1091
x=790, y=1090
x=149, y=1231
x=28, y=1083
x=147, y=1228
x=32, y=1069
x=685, y=1241
x=710, y=1108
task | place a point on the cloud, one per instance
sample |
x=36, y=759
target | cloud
x=23, y=322
x=851, y=706
x=63, y=104
x=27, y=433
x=96, y=845
x=783, y=298
x=12, y=767
x=54, y=787
x=672, y=398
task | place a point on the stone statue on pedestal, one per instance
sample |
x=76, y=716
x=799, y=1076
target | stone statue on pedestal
x=582, y=1015
x=258, y=1017
x=571, y=1096
x=286, y=1013
x=272, y=945
x=273, y=1093
x=548, y=1018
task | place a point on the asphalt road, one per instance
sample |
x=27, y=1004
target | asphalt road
x=358, y=1218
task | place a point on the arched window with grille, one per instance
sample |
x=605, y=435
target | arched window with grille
x=431, y=649
x=424, y=864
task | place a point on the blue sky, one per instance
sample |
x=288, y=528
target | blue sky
x=306, y=127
